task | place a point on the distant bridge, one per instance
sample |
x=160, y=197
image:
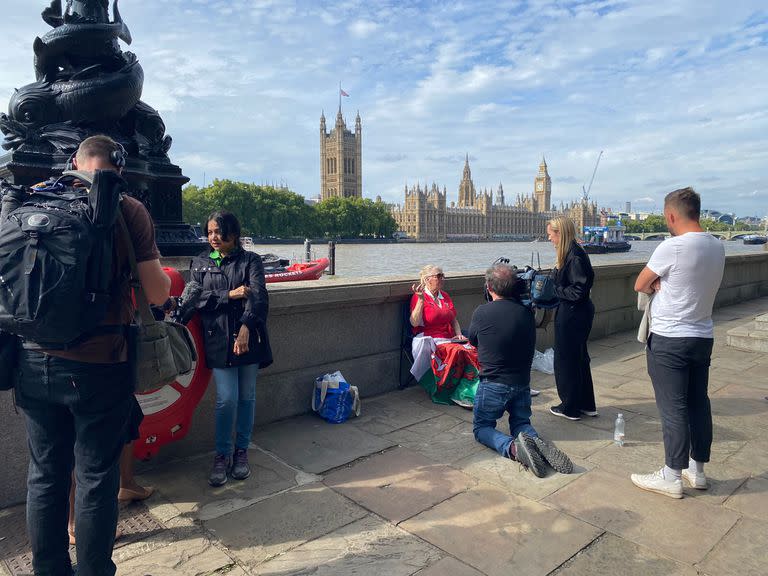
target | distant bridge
x=726, y=235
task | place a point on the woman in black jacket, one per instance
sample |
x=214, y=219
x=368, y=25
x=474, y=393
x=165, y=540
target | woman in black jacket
x=233, y=307
x=573, y=281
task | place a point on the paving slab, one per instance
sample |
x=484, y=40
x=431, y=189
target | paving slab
x=448, y=567
x=179, y=528
x=741, y=552
x=753, y=457
x=194, y=556
x=487, y=466
x=606, y=380
x=367, y=546
x=740, y=400
x=398, y=484
x=393, y=411
x=610, y=554
x=751, y=498
x=492, y=530
x=285, y=521
x=315, y=446
x=440, y=445
x=627, y=365
x=573, y=438
x=660, y=523
x=185, y=486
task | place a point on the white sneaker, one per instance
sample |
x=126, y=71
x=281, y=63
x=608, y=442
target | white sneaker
x=696, y=479
x=655, y=482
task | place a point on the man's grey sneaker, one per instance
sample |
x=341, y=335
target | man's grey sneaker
x=655, y=482
x=558, y=411
x=554, y=456
x=592, y=413
x=240, y=468
x=528, y=455
x=696, y=479
x=535, y=392
x=221, y=466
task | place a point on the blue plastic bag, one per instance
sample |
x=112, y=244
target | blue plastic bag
x=334, y=399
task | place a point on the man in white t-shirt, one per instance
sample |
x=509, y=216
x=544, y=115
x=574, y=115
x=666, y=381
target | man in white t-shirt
x=683, y=275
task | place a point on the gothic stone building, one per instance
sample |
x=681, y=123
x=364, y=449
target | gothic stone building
x=341, y=162
x=425, y=215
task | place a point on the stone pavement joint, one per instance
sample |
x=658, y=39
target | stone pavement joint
x=406, y=490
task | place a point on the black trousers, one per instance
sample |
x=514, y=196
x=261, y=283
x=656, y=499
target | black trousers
x=573, y=376
x=679, y=370
x=76, y=416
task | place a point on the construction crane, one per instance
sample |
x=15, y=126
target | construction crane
x=586, y=191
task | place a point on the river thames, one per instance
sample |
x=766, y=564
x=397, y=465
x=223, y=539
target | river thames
x=406, y=258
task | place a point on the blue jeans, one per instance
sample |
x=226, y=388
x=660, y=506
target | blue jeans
x=76, y=415
x=491, y=400
x=235, y=399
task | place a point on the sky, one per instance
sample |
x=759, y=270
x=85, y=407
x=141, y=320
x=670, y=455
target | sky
x=674, y=92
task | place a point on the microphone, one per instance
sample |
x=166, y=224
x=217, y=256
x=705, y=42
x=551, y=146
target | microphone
x=189, y=298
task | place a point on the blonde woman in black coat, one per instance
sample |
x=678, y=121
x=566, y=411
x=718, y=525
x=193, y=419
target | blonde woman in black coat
x=573, y=282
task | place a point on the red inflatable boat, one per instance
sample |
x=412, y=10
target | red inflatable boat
x=300, y=271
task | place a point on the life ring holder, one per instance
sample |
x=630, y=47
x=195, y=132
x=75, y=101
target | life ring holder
x=168, y=410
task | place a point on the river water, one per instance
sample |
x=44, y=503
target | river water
x=406, y=258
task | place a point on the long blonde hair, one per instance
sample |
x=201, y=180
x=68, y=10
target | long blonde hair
x=567, y=230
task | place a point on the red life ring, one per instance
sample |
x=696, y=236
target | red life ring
x=168, y=410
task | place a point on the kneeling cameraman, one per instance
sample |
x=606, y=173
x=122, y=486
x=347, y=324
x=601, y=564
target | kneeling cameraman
x=504, y=332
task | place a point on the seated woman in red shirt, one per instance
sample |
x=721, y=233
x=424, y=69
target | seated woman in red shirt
x=445, y=364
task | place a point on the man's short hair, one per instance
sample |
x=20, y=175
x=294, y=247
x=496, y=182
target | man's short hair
x=686, y=202
x=502, y=280
x=98, y=146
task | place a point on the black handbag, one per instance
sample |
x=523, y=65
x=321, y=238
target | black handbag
x=9, y=351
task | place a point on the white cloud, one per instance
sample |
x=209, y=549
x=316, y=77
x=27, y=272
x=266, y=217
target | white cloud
x=362, y=28
x=673, y=91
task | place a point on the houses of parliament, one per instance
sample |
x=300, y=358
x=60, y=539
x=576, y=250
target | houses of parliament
x=425, y=215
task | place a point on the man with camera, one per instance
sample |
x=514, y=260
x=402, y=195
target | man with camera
x=76, y=399
x=504, y=332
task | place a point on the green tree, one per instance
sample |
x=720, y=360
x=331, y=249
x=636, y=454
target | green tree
x=262, y=210
x=266, y=211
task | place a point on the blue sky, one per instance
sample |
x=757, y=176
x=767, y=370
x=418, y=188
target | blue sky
x=670, y=90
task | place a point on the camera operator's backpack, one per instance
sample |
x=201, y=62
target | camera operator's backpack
x=56, y=252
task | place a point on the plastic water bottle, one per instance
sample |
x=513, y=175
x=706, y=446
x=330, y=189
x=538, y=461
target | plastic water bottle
x=618, y=430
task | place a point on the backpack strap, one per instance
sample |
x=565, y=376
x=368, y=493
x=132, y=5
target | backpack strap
x=145, y=314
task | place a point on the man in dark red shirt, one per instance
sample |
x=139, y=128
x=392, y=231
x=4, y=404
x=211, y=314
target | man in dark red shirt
x=76, y=405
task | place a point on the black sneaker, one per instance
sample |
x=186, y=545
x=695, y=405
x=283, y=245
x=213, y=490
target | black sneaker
x=558, y=411
x=554, y=456
x=528, y=455
x=221, y=465
x=240, y=468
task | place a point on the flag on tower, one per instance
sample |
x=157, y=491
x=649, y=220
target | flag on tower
x=342, y=93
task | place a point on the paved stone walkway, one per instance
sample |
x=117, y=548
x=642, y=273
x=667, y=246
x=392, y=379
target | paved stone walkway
x=406, y=490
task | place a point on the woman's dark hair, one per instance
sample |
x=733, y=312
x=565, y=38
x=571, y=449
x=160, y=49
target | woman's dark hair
x=228, y=224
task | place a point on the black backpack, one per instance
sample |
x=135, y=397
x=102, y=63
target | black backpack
x=56, y=252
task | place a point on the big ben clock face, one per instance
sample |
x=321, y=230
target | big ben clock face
x=539, y=186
